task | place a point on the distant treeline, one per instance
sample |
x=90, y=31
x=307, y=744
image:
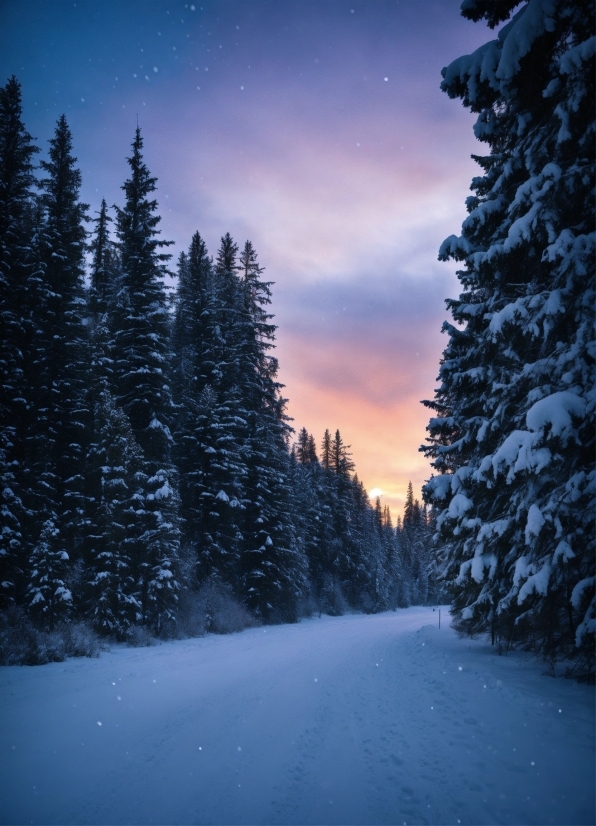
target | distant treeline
x=146, y=458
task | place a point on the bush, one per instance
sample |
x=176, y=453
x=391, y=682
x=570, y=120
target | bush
x=139, y=636
x=331, y=599
x=211, y=609
x=21, y=643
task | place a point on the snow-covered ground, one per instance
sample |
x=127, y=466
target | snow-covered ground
x=355, y=720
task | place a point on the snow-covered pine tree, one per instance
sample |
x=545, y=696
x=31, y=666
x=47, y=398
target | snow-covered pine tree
x=115, y=465
x=392, y=560
x=49, y=600
x=383, y=556
x=414, y=545
x=273, y=564
x=312, y=519
x=102, y=291
x=16, y=180
x=193, y=337
x=514, y=434
x=212, y=422
x=367, y=553
x=356, y=549
x=140, y=347
x=59, y=428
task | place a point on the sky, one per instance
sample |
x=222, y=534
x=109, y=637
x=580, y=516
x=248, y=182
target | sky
x=317, y=130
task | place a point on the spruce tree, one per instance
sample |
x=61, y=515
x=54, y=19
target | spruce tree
x=313, y=520
x=392, y=562
x=102, y=291
x=513, y=436
x=16, y=181
x=217, y=426
x=193, y=337
x=141, y=354
x=356, y=547
x=115, y=534
x=104, y=266
x=326, y=450
x=273, y=563
x=49, y=598
x=340, y=460
x=57, y=435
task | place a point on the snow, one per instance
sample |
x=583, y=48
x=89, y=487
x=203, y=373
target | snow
x=359, y=719
x=556, y=410
x=534, y=524
x=537, y=582
x=459, y=505
x=574, y=57
x=518, y=36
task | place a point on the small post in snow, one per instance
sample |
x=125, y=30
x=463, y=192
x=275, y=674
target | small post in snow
x=439, y=618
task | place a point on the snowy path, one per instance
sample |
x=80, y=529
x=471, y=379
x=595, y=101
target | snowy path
x=357, y=720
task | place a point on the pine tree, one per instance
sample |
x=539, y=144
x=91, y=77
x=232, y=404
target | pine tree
x=102, y=291
x=116, y=531
x=513, y=436
x=392, y=561
x=218, y=426
x=140, y=347
x=326, y=450
x=340, y=460
x=49, y=598
x=382, y=558
x=141, y=338
x=312, y=518
x=58, y=430
x=356, y=546
x=104, y=266
x=273, y=564
x=16, y=180
x=415, y=545
x=193, y=336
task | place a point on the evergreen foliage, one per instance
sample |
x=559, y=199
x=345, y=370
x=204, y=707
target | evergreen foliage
x=59, y=418
x=193, y=335
x=116, y=469
x=141, y=347
x=16, y=181
x=141, y=323
x=49, y=598
x=513, y=436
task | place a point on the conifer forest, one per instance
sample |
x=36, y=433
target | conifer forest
x=151, y=477
x=152, y=481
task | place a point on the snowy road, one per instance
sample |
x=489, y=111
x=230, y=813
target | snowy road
x=357, y=720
